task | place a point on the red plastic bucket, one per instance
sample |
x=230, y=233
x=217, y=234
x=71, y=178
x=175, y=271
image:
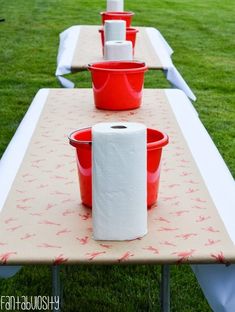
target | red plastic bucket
x=117, y=85
x=130, y=36
x=126, y=16
x=82, y=141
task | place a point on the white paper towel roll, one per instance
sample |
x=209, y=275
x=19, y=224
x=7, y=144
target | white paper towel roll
x=115, y=6
x=114, y=30
x=118, y=51
x=119, y=185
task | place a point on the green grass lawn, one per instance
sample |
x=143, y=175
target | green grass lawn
x=202, y=35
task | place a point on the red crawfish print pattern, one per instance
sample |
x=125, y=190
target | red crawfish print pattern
x=43, y=220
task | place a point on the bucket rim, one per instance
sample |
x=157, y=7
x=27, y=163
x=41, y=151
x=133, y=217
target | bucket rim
x=75, y=142
x=120, y=13
x=128, y=30
x=142, y=66
x=150, y=146
x=159, y=143
x=132, y=29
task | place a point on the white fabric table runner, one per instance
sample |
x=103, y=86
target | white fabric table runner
x=67, y=46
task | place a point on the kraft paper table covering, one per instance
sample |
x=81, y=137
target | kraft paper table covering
x=217, y=280
x=81, y=45
x=89, y=49
x=43, y=222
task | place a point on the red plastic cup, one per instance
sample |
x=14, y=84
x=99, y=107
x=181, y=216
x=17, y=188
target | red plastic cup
x=126, y=16
x=82, y=141
x=117, y=85
x=130, y=36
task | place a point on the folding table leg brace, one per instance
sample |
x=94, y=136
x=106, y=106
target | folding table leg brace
x=165, y=288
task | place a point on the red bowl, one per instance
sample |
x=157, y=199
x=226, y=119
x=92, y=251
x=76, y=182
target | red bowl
x=126, y=16
x=82, y=141
x=117, y=85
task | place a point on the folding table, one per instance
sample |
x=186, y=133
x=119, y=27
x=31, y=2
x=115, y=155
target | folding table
x=81, y=45
x=43, y=221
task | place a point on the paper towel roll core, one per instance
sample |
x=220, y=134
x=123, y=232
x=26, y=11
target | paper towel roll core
x=119, y=127
x=118, y=51
x=119, y=175
x=115, y=6
x=114, y=30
